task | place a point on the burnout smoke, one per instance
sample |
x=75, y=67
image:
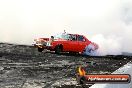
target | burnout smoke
x=23, y=20
x=107, y=45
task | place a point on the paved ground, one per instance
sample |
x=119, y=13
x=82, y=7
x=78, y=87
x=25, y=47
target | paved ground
x=23, y=67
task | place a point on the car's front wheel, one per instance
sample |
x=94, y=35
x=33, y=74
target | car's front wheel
x=40, y=49
x=58, y=49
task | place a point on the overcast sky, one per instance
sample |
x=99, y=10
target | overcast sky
x=23, y=20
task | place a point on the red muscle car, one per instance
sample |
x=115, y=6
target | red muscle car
x=65, y=42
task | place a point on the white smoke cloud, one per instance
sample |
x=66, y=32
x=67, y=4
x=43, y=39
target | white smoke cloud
x=110, y=45
x=23, y=20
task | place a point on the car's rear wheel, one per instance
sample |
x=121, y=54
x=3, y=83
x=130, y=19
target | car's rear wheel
x=40, y=49
x=58, y=49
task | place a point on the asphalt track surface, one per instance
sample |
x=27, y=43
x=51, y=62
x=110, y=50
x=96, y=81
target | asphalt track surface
x=23, y=66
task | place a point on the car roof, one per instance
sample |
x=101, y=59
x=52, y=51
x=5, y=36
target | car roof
x=74, y=34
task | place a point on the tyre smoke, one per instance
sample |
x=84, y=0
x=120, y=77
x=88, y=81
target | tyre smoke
x=107, y=45
x=109, y=21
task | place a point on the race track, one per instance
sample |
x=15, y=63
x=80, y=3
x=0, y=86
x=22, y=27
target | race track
x=23, y=66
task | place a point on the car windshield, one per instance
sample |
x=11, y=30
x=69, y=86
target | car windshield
x=62, y=36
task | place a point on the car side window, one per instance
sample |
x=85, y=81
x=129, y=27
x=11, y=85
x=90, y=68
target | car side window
x=81, y=38
x=73, y=38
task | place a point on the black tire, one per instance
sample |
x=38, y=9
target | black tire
x=40, y=49
x=58, y=49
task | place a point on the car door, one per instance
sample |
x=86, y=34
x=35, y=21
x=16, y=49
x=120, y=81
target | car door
x=82, y=42
x=70, y=44
x=67, y=45
x=66, y=42
x=73, y=43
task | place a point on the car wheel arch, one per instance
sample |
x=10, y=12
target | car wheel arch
x=58, y=48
